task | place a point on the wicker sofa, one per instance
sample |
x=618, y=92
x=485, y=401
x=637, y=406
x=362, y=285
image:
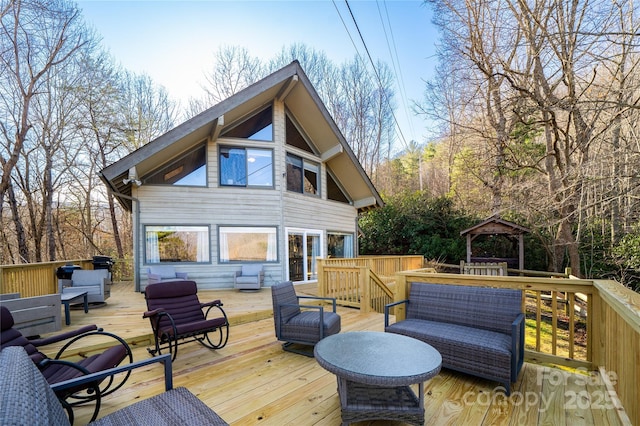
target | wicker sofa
x=477, y=330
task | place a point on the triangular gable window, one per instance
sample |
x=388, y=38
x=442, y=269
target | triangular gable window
x=258, y=127
x=334, y=191
x=188, y=170
x=295, y=138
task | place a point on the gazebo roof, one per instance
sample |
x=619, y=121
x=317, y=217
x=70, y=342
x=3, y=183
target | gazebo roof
x=495, y=225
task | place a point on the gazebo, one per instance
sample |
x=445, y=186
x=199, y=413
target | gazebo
x=496, y=226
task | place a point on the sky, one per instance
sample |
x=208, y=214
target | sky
x=174, y=42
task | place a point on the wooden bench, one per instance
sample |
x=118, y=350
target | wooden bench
x=36, y=315
x=477, y=330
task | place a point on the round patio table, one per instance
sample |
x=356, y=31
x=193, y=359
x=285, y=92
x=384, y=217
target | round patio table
x=375, y=371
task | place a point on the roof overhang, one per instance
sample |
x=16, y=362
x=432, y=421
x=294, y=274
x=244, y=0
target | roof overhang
x=289, y=84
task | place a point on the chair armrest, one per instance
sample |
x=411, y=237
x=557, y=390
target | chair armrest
x=517, y=346
x=332, y=299
x=64, y=336
x=164, y=359
x=212, y=303
x=153, y=313
x=390, y=305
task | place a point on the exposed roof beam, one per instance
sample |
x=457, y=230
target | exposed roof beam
x=216, y=129
x=332, y=152
x=286, y=88
x=364, y=202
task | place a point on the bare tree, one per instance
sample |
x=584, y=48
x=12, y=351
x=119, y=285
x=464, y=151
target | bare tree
x=537, y=67
x=36, y=40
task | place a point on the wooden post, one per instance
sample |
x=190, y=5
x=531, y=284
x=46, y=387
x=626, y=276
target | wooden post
x=401, y=294
x=365, y=293
x=321, y=278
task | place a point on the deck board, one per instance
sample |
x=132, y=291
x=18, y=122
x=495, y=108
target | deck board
x=252, y=381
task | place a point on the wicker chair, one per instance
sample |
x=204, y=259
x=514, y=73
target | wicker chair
x=56, y=370
x=27, y=398
x=177, y=317
x=301, y=324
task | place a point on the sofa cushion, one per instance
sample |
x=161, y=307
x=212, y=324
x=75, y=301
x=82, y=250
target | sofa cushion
x=81, y=277
x=165, y=271
x=251, y=269
x=463, y=348
x=478, y=307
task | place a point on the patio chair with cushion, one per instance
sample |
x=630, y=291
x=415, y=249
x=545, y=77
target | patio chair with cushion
x=177, y=317
x=159, y=273
x=97, y=283
x=27, y=398
x=58, y=369
x=250, y=277
x=301, y=324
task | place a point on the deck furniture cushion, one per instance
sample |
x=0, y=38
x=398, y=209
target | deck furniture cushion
x=477, y=330
x=28, y=398
x=177, y=317
x=97, y=283
x=159, y=273
x=56, y=370
x=298, y=323
x=250, y=277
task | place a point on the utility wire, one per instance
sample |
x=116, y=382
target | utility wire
x=402, y=139
x=393, y=53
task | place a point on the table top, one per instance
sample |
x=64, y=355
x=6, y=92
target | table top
x=376, y=358
x=72, y=294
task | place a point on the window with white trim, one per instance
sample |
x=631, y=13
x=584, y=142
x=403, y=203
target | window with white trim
x=248, y=244
x=176, y=243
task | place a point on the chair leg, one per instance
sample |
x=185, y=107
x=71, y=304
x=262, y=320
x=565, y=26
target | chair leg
x=288, y=346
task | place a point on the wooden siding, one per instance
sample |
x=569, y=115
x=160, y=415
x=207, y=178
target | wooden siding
x=230, y=206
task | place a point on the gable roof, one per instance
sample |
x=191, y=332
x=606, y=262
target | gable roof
x=289, y=84
x=495, y=225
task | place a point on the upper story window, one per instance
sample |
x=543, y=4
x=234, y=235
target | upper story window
x=334, y=191
x=295, y=136
x=188, y=170
x=241, y=166
x=257, y=127
x=303, y=176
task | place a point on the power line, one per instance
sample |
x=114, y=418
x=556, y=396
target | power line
x=394, y=55
x=402, y=138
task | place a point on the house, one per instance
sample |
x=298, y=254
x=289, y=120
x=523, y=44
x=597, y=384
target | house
x=264, y=176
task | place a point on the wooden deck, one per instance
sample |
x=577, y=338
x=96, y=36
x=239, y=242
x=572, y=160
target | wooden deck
x=252, y=381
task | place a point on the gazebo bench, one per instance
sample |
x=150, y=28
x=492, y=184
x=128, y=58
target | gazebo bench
x=477, y=330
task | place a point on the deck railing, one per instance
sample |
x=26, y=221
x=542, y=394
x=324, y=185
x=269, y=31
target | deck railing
x=35, y=279
x=363, y=282
x=39, y=279
x=604, y=334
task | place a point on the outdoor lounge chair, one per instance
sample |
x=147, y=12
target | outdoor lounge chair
x=27, y=398
x=301, y=324
x=159, y=273
x=250, y=277
x=97, y=283
x=56, y=370
x=176, y=315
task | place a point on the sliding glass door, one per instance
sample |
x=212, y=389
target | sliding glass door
x=304, y=247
